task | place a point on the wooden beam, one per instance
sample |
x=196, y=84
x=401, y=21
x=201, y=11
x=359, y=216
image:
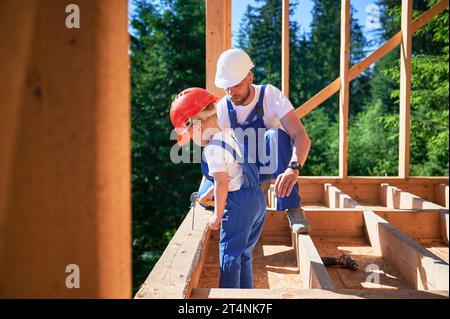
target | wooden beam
x=422, y=269
x=318, y=99
x=345, y=87
x=335, y=223
x=445, y=226
x=217, y=293
x=394, y=197
x=176, y=271
x=338, y=199
x=357, y=180
x=421, y=225
x=311, y=267
x=218, y=38
x=285, y=50
x=441, y=195
x=363, y=65
x=405, y=88
x=65, y=197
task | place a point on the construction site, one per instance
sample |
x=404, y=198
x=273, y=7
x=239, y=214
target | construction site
x=396, y=228
x=76, y=206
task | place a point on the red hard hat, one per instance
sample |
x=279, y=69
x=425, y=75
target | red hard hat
x=187, y=104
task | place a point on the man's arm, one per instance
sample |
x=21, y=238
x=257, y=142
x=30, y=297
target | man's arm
x=297, y=132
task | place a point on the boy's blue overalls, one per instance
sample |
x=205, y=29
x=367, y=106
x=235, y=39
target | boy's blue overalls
x=242, y=222
x=279, y=146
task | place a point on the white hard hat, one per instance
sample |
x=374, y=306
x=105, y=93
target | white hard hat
x=233, y=66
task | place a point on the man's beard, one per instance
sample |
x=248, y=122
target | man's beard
x=240, y=101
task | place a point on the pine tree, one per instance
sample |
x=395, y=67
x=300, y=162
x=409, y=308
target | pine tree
x=167, y=55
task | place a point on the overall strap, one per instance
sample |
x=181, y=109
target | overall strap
x=260, y=104
x=227, y=147
x=231, y=114
x=258, y=110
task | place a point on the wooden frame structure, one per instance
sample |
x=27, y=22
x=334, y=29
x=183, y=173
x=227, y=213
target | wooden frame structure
x=401, y=223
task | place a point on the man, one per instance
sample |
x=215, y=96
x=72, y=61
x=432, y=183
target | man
x=263, y=107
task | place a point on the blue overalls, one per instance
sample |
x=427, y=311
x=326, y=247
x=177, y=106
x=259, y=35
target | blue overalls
x=278, y=144
x=241, y=225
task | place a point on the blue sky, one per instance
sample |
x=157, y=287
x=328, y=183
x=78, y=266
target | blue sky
x=302, y=14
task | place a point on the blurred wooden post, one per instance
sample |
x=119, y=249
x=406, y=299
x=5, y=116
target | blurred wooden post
x=344, y=91
x=285, y=50
x=405, y=88
x=218, y=38
x=65, y=167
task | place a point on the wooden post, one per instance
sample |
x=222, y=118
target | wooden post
x=285, y=50
x=218, y=38
x=405, y=88
x=65, y=208
x=344, y=92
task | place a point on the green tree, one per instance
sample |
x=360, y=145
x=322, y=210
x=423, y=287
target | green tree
x=429, y=101
x=314, y=60
x=167, y=55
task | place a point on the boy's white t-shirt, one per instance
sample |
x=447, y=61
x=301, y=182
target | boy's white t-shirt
x=275, y=105
x=220, y=160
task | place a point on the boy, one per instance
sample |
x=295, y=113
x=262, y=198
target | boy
x=240, y=208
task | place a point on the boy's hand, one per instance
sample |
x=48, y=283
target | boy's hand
x=208, y=195
x=214, y=222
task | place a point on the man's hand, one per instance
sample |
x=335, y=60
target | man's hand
x=214, y=222
x=285, y=182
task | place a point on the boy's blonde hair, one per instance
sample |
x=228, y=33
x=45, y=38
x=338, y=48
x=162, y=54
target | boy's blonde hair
x=208, y=111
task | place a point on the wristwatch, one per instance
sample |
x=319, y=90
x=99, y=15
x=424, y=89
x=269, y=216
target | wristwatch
x=296, y=165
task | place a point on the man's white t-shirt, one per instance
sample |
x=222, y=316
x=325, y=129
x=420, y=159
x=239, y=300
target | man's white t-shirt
x=275, y=105
x=220, y=159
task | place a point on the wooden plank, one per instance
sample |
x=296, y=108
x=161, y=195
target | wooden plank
x=276, y=224
x=422, y=269
x=327, y=223
x=177, y=266
x=318, y=99
x=338, y=199
x=65, y=186
x=216, y=293
x=344, y=93
x=362, y=193
x=218, y=38
x=311, y=267
x=285, y=49
x=405, y=88
x=311, y=193
x=376, y=55
x=394, y=197
x=420, y=225
x=441, y=195
x=444, y=226
x=417, y=180
x=363, y=65
x=193, y=283
x=428, y=15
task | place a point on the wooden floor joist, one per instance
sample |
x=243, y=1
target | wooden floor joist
x=394, y=197
x=211, y=293
x=311, y=267
x=189, y=269
x=422, y=269
x=441, y=195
